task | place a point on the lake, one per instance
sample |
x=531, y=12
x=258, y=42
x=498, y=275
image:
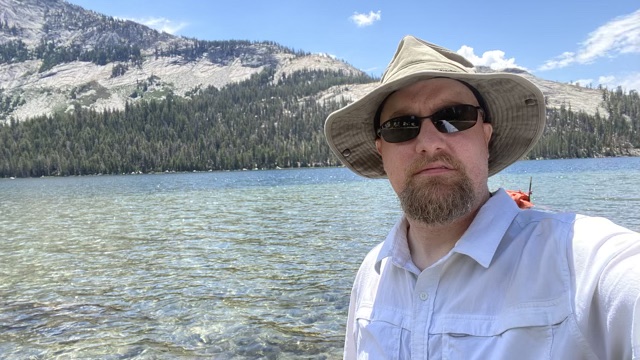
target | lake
x=225, y=265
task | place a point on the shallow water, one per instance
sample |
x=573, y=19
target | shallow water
x=229, y=265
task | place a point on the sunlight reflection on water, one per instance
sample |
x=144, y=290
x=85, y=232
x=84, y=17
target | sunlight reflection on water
x=227, y=265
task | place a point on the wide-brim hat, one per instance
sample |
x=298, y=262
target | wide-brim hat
x=515, y=105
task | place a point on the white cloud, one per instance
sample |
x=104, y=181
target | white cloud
x=619, y=36
x=628, y=82
x=363, y=20
x=161, y=24
x=606, y=79
x=559, y=62
x=494, y=59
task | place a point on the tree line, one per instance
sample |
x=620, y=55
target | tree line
x=570, y=134
x=259, y=123
x=223, y=51
x=262, y=123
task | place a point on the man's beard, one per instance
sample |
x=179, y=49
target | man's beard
x=437, y=200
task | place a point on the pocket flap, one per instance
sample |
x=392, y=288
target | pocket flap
x=391, y=316
x=480, y=325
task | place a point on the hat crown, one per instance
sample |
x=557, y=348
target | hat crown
x=414, y=55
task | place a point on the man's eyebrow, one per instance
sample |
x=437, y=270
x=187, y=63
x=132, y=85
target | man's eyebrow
x=443, y=104
x=398, y=113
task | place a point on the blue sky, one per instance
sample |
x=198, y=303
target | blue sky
x=590, y=42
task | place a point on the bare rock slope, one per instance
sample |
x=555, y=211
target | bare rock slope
x=37, y=90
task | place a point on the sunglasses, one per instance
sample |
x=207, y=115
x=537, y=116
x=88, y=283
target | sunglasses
x=448, y=120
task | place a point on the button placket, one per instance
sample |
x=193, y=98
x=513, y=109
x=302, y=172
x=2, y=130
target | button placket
x=424, y=302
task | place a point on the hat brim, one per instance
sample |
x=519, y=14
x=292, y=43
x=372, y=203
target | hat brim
x=515, y=104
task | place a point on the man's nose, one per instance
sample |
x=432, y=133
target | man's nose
x=429, y=139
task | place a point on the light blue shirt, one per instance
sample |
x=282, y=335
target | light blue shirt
x=519, y=284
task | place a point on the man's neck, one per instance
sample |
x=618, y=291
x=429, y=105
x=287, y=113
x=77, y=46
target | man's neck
x=428, y=243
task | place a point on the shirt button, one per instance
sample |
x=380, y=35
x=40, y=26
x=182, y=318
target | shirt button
x=424, y=296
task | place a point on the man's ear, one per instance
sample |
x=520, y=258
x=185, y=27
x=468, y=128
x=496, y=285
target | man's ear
x=378, y=144
x=488, y=131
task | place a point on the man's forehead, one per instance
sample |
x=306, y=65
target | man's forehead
x=431, y=92
x=437, y=86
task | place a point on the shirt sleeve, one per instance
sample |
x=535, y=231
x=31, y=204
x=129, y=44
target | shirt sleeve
x=361, y=281
x=606, y=260
x=350, y=349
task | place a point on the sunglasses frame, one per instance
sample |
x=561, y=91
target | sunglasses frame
x=438, y=119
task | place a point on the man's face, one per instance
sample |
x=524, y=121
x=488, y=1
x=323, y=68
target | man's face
x=438, y=177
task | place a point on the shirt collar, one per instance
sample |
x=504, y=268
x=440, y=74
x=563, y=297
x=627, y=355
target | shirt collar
x=396, y=247
x=483, y=236
x=479, y=242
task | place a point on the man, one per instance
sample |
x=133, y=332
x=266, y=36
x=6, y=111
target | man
x=466, y=274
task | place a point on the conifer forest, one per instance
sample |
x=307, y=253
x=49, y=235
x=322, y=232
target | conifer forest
x=260, y=123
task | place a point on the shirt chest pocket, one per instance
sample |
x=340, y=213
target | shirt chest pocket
x=383, y=333
x=522, y=334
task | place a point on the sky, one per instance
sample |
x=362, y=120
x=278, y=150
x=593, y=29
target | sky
x=589, y=42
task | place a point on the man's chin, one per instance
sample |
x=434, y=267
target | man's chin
x=437, y=200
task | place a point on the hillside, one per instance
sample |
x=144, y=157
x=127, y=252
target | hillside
x=92, y=86
x=58, y=55
x=557, y=94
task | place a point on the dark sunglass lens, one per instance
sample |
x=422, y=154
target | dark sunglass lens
x=446, y=127
x=400, y=129
x=448, y=120
x=396, y=135
x=455, y=118
x=458, y=112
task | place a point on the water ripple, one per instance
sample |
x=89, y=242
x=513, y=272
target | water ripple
x=217, y=265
